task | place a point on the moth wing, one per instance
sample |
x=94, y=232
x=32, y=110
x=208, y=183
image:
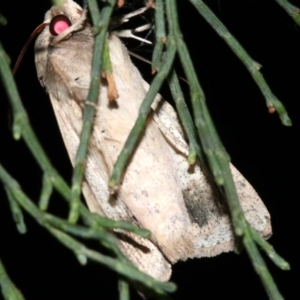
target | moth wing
x=68, y=110
x=159, y=191
x=201, y=225
x=201, y=195
x=142, y=252
x=65, y=72
x=207, y=228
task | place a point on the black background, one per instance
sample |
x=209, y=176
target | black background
x=266, y=152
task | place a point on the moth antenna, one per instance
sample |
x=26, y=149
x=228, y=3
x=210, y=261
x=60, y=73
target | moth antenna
x=140, y=57
x=150, y=63
x=119, y=20
x=128, y=33
x=25, y=47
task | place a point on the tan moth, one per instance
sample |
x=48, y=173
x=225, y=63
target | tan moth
x=159, y=191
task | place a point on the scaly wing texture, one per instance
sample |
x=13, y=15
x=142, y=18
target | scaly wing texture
x=159, y=190
x=201, y=196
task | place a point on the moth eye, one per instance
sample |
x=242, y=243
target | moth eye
x=59, y=24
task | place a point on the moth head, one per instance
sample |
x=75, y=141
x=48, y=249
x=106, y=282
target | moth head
x=60, y=23
x=63, y=16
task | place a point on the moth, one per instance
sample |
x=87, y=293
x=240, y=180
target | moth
x=159, y=190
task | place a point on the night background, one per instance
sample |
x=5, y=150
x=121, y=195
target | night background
x=262, y=149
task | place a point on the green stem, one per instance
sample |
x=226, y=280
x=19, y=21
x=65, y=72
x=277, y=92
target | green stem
x=144, y=110
x=121, y=266
x=252, y=66
x=9, y=290
x=260, y=267
x=123, y=290
x=101, y=21
x=292, y=10
x=16, y=212
x=21, y=127
x=269, y=250
x=160, y=35
x=47, y=189
x=186, y=119
x=217, y=157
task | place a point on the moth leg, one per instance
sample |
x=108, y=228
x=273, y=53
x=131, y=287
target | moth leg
x=128, y=33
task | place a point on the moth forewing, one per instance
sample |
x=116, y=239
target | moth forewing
x=159, y=191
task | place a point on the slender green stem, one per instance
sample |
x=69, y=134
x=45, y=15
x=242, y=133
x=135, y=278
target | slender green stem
x=46, y=193
x=218, y=159
x=21, y=127
x=124, y=269
x=139, y=125
x=260, y=267
x=210, y=142
x=237, y=215
x=160, y=35
x=106, y=238
x=123, y=290
x=16, y=212
x=292, y=10
x=95, y=220
x=121, y=266
x=252, y=66
x=9, y=290
x=269, y=250
x=101, y=21
x=185, y=118
x=106, y=58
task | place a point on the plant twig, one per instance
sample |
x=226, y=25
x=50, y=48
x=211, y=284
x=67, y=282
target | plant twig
x=260, y=267
x=9, y=290
x=252, y=66
x=16, y=212
x=186, y=119
x=121, y=266
x=218, y=159
x=123, y=269
x=269, y=250
x=47, y=189
x=292, y=10
x=139, y=125
x=101, y=21
x=160, y=35
x=123, y=290
x=22, y=128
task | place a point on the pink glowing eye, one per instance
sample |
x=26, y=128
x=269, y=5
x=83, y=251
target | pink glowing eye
x=59, y=24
